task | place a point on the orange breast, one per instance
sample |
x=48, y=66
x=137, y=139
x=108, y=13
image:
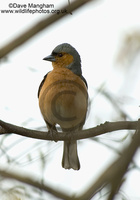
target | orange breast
x=63, y=98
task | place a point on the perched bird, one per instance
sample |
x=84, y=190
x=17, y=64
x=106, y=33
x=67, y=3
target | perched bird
x=63, y=98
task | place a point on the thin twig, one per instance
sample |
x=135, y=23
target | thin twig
x=114, y=173
x=123, y=163
x=59, y=136
x=32, y=182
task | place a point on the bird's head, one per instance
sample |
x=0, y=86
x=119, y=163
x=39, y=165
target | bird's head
x=64, y=55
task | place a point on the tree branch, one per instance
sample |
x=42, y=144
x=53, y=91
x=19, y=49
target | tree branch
x=59, y=136
x=32, y=182
x=46, y=22
x=112, y=175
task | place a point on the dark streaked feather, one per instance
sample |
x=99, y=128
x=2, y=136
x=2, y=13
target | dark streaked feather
x=41, y=84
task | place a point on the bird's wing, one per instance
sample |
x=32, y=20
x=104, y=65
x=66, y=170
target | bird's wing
x=41, y=84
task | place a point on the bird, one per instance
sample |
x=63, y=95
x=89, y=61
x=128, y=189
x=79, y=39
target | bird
x=63, y=98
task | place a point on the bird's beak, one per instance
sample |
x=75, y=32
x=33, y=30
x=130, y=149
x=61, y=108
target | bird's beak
x=50, y=58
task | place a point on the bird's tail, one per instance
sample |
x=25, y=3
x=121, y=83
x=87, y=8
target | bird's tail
x=70, y=156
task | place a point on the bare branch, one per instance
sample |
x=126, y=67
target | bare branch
x=40, y=26
x=3, y=131
x=59, y=136
x=114, y=173
x=34, y=183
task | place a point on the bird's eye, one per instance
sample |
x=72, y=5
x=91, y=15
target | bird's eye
x=60, y=54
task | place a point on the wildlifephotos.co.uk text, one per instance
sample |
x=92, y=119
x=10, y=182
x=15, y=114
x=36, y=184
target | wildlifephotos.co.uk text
x=31, y=8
